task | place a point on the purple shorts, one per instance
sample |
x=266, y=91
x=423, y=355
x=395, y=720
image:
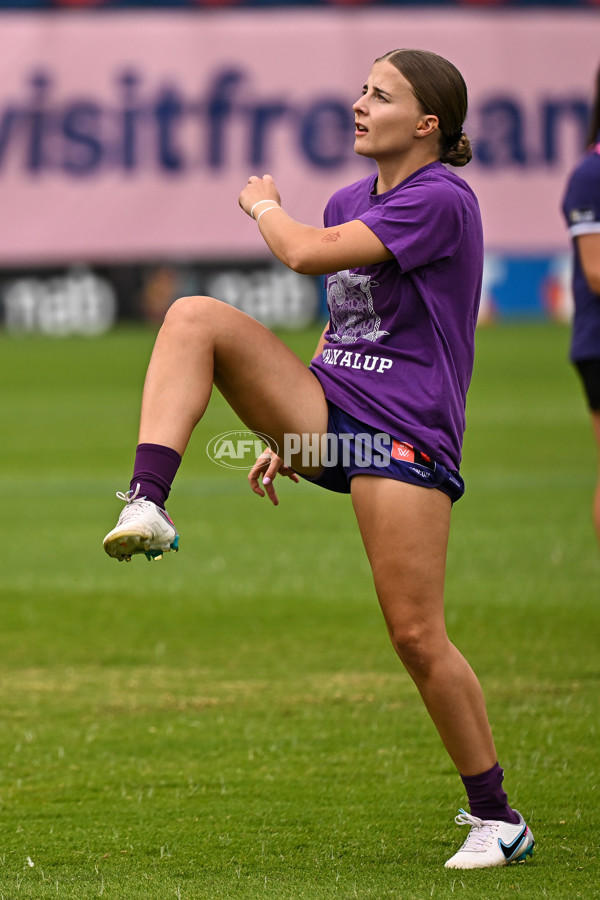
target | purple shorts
x=353, y=448
x=589, y=372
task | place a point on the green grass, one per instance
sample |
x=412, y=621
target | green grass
x=231, y=722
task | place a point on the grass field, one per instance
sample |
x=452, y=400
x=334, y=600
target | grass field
x=231, y=722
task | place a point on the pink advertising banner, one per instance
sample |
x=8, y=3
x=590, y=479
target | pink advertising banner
x=128, y=136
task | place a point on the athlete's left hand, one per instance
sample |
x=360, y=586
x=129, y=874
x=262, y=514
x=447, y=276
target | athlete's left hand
x=256, y=190
x=269, y=465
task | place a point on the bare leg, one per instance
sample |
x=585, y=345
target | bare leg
x=405, y=532
x=204, y=341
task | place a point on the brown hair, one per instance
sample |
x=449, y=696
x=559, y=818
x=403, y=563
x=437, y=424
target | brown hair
x=594, y=126
x=441, y=90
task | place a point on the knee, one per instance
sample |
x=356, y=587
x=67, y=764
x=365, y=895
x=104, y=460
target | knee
x=190, y=312
x=415, y=647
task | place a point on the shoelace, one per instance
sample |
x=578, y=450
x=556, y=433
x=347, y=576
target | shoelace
x=481, y=834
x=129, y=497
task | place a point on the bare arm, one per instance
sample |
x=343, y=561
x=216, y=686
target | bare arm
x=589, y=254
x=303, y=248
x=321, y=342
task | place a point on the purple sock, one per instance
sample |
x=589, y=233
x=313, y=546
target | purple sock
x=487, y=798
x=154, y=470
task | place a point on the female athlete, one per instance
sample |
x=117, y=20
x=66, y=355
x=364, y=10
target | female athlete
x=384, y=395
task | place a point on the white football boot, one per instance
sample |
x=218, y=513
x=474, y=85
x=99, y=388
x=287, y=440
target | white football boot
x=491, y=843
x=142, y=528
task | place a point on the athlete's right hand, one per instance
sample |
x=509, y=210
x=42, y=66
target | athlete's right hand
x=269, y=465
x=258, y=190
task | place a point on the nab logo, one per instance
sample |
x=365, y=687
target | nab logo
x=238, y=449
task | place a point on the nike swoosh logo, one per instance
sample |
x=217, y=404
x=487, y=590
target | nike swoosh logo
x=510, y=849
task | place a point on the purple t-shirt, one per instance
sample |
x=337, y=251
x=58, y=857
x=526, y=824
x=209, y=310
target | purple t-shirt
x=401, y=335
x=581, y=209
